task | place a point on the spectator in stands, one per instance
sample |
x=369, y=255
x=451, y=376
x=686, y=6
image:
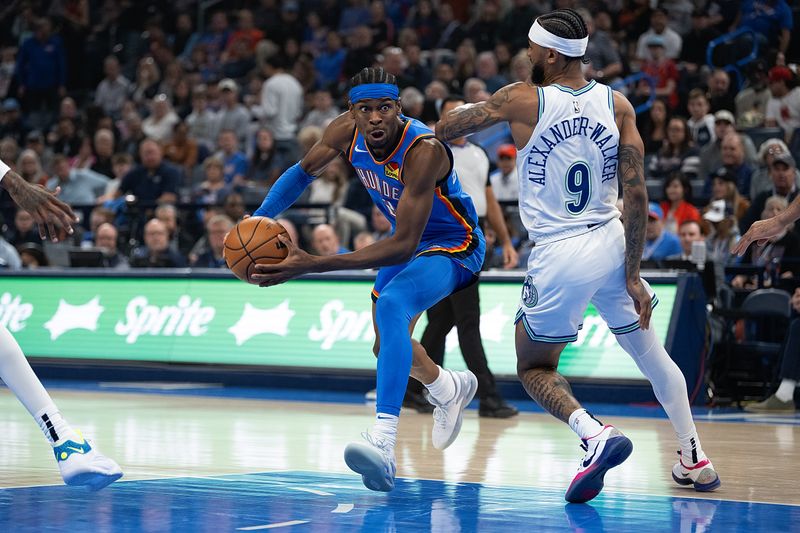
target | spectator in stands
x=147, y=78
x=184, y=38
x=721, y=235
x=179, y=238
x=233, y=159
x=121, y=164
x=663, y=70
x=103, y=149
x=35, y=141
x=677, y=207
x=689, y=232
x=771, y=19
x=106, y=238
x=394, y=62
x=783, y=108
x=711, y=154
x=162, y=120
x=381, y=227
x=246, y=32
x=329, y=63
x=504, y=178
x=783, y=173
x=723, y=187
x=413, y=102
x=11, y=120
x=98, y=216
x=30, y=168
x=325, y=241
x=133, y=135
x=677, y=154
x=720, y=93
x=182, y=149
x=24, y=229
x=216, y=38
x=213, y=188
x=32, y=255
x=291, y=229
x=41, y=72
x=734, y=163
x=156, y=252
x=216, y=228
x=659, y=243
x=452, y=32
x=234, y=206
x=362, y=240
x=701, y=122
x=751, y=101
x=486, y=70
x=605, y=63
x=774, y=250
x=154, y=180
x=782, y=401
x=653, y=126
x=761, y=180
x=113, y=90
x=264, y=167
x=232, y=115
x=323, y=110
x=695, y=43
x=9, y=257
x=281, y=107
x=7, y=65
x=79, y=186
x=203, y=122
x=65, y=139
x=672, y=41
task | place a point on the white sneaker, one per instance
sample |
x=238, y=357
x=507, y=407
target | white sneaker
x=447, y=416
x=702, y=475
x=605, y=450
x=374, y=460
x=82, y=464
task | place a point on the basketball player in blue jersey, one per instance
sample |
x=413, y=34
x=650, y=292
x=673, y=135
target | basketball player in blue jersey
x=436, y=248
x=78, y=462
x=573, y=138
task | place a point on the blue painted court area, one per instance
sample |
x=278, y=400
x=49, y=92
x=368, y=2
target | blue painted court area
x=300, y=501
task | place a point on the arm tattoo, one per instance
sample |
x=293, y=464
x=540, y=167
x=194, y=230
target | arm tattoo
x=472, y=117
x=634, y=199
x=552, y=391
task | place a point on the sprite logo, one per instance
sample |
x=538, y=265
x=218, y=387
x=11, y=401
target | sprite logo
x=14, y=313
x=338, y=323
x=141, y=318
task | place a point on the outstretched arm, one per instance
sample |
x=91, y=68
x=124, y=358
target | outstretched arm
x=762, y=230
x=49, y=212
x=291, y=184
x=423, y=166
x=634, y=197
x=469, y=118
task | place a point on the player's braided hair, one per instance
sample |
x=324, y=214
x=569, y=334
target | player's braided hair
x=566, y=23
x=372, y=75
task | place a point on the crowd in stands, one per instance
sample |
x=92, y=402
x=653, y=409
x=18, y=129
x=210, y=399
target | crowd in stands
x=164, y=123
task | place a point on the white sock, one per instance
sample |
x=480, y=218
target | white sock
x=443, y=388
x=669, y=386
x=584, y=424
x=19, y=377
x=785, y=391
x=385, y=429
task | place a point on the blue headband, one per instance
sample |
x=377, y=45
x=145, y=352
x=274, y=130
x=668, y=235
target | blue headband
x=373, y=90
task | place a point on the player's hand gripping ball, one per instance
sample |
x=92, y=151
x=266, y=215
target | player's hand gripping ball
x=251, y=242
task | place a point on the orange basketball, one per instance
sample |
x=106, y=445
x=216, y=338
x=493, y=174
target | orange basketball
x=254, y=241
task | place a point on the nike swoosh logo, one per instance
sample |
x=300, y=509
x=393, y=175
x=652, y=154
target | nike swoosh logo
x=588, y=461
x=76, y=450
x=357, y=150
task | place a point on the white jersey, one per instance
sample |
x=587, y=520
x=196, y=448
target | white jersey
x=568, y=170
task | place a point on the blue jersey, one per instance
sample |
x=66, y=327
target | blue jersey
x=452, y=228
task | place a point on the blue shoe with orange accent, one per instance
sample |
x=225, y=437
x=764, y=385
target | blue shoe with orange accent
x=701, y=474
x=604, y=451
x=81, y=464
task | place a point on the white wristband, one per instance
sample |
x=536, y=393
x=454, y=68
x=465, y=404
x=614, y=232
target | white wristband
x=3, y=169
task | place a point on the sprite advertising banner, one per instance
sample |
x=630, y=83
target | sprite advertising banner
x=303, y=323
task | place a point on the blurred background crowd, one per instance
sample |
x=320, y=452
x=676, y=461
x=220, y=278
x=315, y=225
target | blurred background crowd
x=165, y=122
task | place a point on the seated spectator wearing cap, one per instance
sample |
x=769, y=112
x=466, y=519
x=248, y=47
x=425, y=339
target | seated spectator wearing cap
x=722, y=233
x=785, y=245
x=761, y=180
x=711, y=154
x=663, y=69
x=677, y=154
x=232, y=115
x=783, y=108
x=723, y=187
x=504, y=178
x=11, y=120
x=689, y=232
x=32, y=255
x=659, y=244
x=678, y=208
x=783, y=173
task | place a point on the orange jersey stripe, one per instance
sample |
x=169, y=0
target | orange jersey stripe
x=396, y=148
x=465, y=244
x=402, y=163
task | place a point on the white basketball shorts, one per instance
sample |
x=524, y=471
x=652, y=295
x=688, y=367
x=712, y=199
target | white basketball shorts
x=564, y=276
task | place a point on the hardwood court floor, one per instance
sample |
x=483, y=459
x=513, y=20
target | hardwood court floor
x=160, y=436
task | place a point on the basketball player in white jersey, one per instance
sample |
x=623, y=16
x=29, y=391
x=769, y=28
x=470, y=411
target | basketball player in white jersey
x=78, y=462
x=573, y=137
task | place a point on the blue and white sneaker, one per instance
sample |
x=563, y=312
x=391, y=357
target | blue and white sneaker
x=81, y=464
x=701, y=474
x=604, y=451
x=374, y=460
x=447, y=417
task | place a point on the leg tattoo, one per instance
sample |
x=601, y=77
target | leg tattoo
x=551, y=391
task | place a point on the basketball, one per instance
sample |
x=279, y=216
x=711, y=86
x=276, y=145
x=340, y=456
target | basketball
x=254, y=241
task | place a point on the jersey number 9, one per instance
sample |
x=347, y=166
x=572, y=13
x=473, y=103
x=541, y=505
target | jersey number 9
x=579, y=187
